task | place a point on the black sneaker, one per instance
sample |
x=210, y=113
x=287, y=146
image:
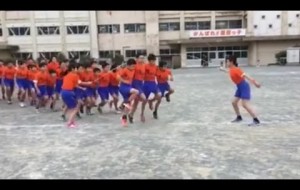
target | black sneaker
x=168, y=97
x=99, y=109
x=130, y=118
x=63, y=117
x=255, y=122
x=81, y=109
x=155, y=115
x=51, y=106
x=237, y=119
x=78, y=115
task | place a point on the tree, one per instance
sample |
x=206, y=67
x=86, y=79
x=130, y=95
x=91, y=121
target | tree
x=117, y=59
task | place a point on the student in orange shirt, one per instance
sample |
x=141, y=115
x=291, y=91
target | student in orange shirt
x=70, y=82
x=114, y=87
x=125, y=76
x=80, y=91
x=2, y=68
x=40, y=84
x=91, y=88
x=22, y=82
x=150, y=86
x=243, y=89
x=59, y=73
x=53, y=65
x=163, y=75
x=32, y=71
x=9, y=80
x=51, y=81
x=102, y=79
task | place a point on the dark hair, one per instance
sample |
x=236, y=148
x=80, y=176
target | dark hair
x=95, y=70
x=71, y=66
x=138, y=55
x=113, y=68
x=104, y=64
x=42, y=64
x=162, y=63
x=51, y=71
x=232, y=59
x=131, y=62
x=30, y=66
x=21, y=62
x=151, y=57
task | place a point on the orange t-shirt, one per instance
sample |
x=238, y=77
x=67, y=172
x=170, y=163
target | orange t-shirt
x=127, y=75
x=90, y=77
x=70, y=81
x=139, y=71
x=150, y=72
x=51, y=80
x=103, y=79
x=41, y=78
x=2, y=69
x=162, y=75
x=59, y=73
x=31, y=74
x=113, y=80
x=10, y=72
x=22, y=73
x=236, y=75
x=53, y=66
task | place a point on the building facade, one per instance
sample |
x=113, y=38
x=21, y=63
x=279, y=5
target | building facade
x=193, y=37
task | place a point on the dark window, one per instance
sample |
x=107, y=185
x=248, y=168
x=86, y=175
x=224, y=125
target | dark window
x=190, y=49
x=190, y=25
x=255, y=26
x=133, y=28
x=164, y=51
x=244, y=47
x=221, y=55
x=244, y=54
x=111, y=28
x=224, y=24
x=169, y=26
x=213, y=48
x=19, y=31
x=236, y=47
x=78, y=54
x=297, y=15
x=175, y=51
x=45, y=30
x=221, y=48
x=235, y=23
x=82, y=29
x=204, y=49
x=212, y=55
x=228, y=48
x=263, y=16
x=133, y=53
x=23, y=55
x=1, y=31
x=237, y=54
x=202, y=25
x=48, y=55
x=108, y=53
x=278, y=16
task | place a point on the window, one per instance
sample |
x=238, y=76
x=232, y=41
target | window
x=19, y=31
x=224, y=24
x=107, y=53
x=82, y=29
x=203, y=25
x=111, y=29
x=221, y=55
x=237, y=54
x=169, y=51
x=244, y=54
x=23, y=55
x=212, y=55
x=132, y=28
x=171, y=26
x=48, y=55
x=133, y=53
x=191, y=56
x=78, y=54
x=48, y=30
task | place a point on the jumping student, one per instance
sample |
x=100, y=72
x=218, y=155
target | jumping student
x=70, y=82
x=40, y=84
x=150, y=86
x=32, y=71
x=114, y=87
x=125, y=76
x=89, y=77
x=59, y=73
x=9, y=80
x=80, y=91
x=239, y=77
x=102, y=79
x=51, y=81
x=2, y=68
x=138, y=82
x=22, y=82
x=163, y=75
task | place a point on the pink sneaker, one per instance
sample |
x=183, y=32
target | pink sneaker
x=124, y=121
x=72, y=124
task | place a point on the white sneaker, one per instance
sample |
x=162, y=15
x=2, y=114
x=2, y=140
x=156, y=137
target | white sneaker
x=117, y=112
x=22, y=105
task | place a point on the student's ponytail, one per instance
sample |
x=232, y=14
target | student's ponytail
x=232, y=59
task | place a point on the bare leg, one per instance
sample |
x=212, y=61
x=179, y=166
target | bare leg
x=3, y=92
x=248, y=108
x=235, y=106
x=171, y=91
x=8, y=93
x=158, y=100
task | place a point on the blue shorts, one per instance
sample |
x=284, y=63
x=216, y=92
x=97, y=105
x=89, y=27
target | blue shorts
x=43, y=91
x=69, y=98
x=31, y=85
x=150, y=87
x=50, y=91
x=90, y=92
x=1, y=81
x=163, y=87
x=138, y=84
x=58, y=86
x=9, y=83
x=80, y=94
x=125, y=91
x=103, y=93
x=113, y=90
x=243, y=91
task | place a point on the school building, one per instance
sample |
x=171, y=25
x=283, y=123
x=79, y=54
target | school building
x=187, y=37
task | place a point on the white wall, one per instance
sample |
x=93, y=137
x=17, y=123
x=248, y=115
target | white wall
x=295, y=21
x=263, y=24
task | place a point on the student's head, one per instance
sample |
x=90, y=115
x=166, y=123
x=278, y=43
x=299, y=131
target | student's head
x=151, y=58
x=64, y=63
x=140, y=58
x=43, y=66
x=130, y=64
x=10, y=64
x=89, y=67
x=52, y=73
x=53, y=59
x=113, y=68
x=105, y=67
x=72, y=67
x=22, y=63
x=231, y=61
x=32, y=67
x=96, y=71
x=93, y=63
x=81, y=67
x=162, y=64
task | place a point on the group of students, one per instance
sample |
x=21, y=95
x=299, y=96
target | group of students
x=80, y=84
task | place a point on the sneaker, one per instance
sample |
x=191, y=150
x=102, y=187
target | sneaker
x=168, y=97
x=22, y=105
x=63, y=117
x=81, y=109
x=121, y=107
x=9, y=102
x=254, y=123
x=78, y=115
x=117, y=112
x=124, y=121
x=143, y=119
x=37, y=110
x=99, y=109
x=155, y=115
x=71, y=125
x=130, y=117
x=237, y=119
x=51, y=106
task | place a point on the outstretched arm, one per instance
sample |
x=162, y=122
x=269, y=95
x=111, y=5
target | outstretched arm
x=252, y=80
x=223, y=69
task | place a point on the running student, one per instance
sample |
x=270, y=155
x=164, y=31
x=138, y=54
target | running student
x=51, y=81
x=138, y=82
x=150, y=86
x=32, y=71
x=102, y=79
x=22, y=82
x=40, y=83
x=9, y=80
x=70, y=82
x=114, y=87
x=2, y=68
x=163, y=75
x=127, y=91
x=89, y=77
x=238, y=77
x=59, y=73
x=80, y=91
